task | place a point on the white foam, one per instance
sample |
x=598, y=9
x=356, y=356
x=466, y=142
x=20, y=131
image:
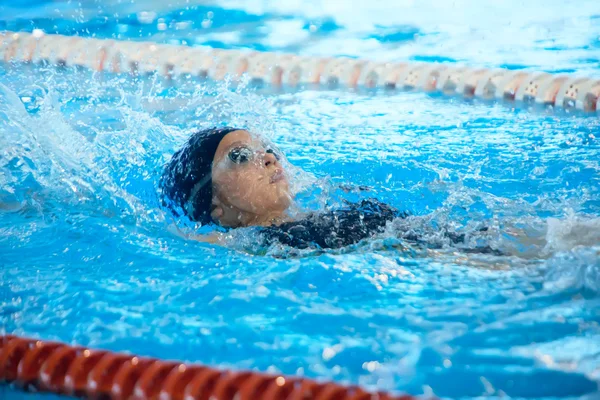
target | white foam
x=573, y=231
x=578, y=268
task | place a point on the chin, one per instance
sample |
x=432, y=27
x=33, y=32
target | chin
x=285, y=203
x=280, y=203
x=284, y=197
x=272, y=198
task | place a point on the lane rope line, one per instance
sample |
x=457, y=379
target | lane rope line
x=564, y=92
x=59, y=368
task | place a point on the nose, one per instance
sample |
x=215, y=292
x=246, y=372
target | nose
x=269, y=159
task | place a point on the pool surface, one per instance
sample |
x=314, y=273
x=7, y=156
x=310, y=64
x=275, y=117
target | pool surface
x=87, y=256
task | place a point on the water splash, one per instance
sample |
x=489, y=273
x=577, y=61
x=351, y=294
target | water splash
x=81, y=155
x=578, y=268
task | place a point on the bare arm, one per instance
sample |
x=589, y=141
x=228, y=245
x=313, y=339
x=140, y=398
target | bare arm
x=215, y=237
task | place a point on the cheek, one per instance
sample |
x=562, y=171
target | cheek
x=250, y=190
x=243, y=189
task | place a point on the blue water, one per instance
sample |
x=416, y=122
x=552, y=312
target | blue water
x=86, y=255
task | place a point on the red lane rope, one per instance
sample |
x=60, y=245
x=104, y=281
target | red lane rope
x=98, y=374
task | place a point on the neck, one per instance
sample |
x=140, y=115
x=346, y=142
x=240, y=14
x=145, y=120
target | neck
x=266, y=220
x=236, y=218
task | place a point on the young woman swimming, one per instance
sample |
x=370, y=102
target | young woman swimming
x=232, y=178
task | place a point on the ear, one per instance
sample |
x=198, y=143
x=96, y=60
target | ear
x=217, y=209
x=216, y=213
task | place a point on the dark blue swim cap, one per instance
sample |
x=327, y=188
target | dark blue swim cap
x=186, y=182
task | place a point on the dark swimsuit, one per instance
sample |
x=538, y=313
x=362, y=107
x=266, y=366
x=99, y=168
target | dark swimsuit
x=350, y=225
x=334, y=229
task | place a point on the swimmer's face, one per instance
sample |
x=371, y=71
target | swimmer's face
x=249, y=181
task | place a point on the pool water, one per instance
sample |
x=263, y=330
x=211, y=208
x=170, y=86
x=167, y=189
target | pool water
x=87, y=256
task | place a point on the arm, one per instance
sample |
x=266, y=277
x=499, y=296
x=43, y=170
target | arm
x=215, y=237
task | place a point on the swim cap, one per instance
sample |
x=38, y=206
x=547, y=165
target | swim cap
x=186, y=182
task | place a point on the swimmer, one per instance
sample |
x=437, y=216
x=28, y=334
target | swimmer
x=232, y=178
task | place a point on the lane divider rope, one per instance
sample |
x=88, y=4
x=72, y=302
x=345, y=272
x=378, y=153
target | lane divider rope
x=564, y=92
x=59, y=368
